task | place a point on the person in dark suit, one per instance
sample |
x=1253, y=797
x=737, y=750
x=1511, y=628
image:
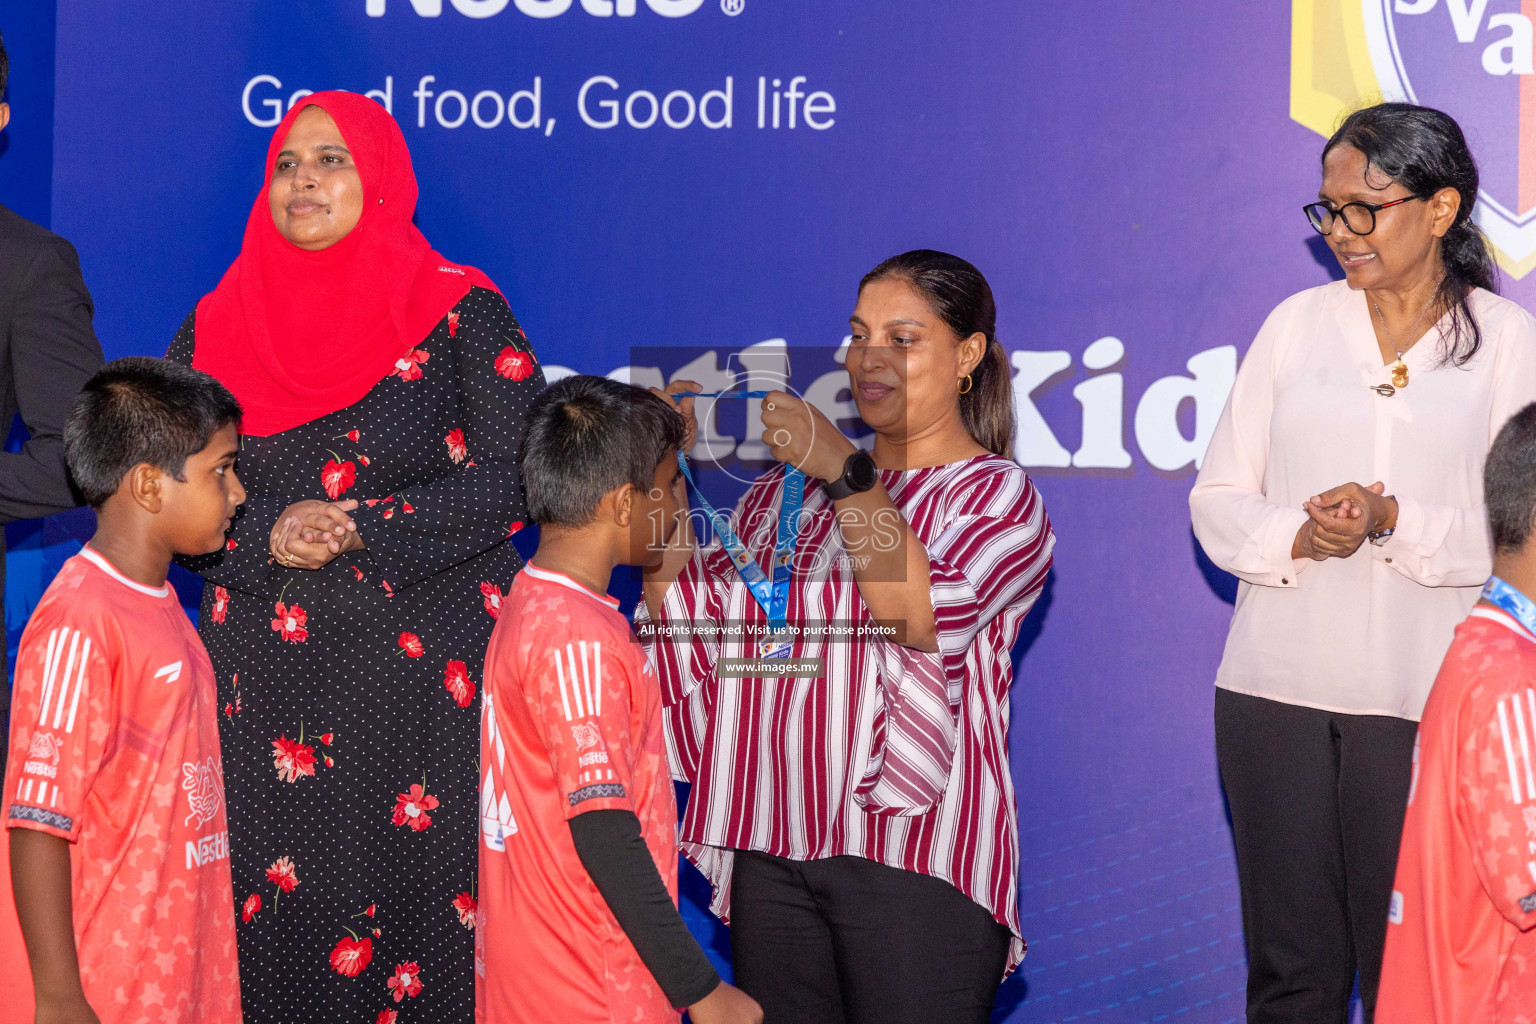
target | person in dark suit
x=47, y=351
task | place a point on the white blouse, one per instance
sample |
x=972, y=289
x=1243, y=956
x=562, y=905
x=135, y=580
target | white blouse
x=1363, y=634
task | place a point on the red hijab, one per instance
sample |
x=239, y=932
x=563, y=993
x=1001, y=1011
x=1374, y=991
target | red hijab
x=298, y=334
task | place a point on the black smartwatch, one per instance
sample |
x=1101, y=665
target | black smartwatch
x=859, y=475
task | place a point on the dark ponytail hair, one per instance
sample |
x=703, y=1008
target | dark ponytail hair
x=1424, y=150
x=960, y=296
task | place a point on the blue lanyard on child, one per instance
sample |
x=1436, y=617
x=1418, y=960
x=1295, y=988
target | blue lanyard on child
x=773, y=597
x=1520, y=608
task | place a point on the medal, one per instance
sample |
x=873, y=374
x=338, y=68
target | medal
x=772, y=597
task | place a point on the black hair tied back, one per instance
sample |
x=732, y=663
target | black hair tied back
x=1424, y=150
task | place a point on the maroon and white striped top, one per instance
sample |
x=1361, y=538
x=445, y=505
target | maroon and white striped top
x=897, y=756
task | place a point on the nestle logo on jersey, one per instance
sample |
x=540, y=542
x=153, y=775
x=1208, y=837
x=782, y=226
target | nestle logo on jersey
x=207, y=850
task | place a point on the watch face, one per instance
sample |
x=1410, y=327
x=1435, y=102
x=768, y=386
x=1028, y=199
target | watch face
x=860, y=472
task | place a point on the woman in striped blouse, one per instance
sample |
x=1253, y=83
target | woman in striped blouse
x=859, y=828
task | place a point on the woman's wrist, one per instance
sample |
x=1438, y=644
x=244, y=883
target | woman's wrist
x=1301, y=546
x=1391, y=523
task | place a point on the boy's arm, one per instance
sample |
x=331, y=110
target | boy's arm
x=580, y=697
x=615, y=855
x=61, y=726
x=41, y=882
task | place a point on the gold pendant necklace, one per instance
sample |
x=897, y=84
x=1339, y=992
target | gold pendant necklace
x=1399, y=368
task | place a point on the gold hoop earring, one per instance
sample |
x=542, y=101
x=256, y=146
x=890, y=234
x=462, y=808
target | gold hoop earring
x=967, y=388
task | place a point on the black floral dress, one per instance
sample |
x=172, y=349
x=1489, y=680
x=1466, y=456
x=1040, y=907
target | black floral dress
x=349, y=694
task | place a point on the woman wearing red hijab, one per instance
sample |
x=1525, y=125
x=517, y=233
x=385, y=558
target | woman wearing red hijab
x=384, y=390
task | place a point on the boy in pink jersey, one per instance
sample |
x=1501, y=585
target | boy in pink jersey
x=1461, y=931
x=114, y=859
x=578, y=860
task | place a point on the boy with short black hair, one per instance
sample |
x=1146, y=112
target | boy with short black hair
x=115, y=843
x=1461, y=932
x=578, y=862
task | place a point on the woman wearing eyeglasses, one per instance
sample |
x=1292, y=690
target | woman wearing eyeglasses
x=1343, y=487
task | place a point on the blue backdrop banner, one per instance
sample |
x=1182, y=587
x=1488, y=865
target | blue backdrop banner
x=714, y=176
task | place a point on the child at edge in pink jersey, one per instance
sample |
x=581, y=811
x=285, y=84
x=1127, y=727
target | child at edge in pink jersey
x=578, y=856
x=114, y=858
x=1461, y=927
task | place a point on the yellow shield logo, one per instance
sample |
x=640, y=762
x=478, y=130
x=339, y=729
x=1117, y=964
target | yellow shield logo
x=1471, y=58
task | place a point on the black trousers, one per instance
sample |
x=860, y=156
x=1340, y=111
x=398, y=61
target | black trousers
x=1317, y=801
x=847, y=941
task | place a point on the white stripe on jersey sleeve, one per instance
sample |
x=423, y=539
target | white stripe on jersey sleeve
x=586, y=678
x=69, y=670
x=74, y=704
x=50, y=664
x=570, y=658
x=1509, y=756
x=565, y=702
x=1525, y=744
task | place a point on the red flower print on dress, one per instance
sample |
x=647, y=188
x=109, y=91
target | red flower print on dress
x=351, y=955
x=251, y=906
x=459, y=685
x=492, y=594
x=372, y=909
x=364, y=460
x=408, y=366
x=387, y=1017
x=292, y=758
x=406, y=507
x=283, y=875
x=411, y=644
x=357, y=573
x=291, y=622
x=458, y=451
x=220, y=604
x=406, y=980
x=411, y=808
x=514, y=365
x=515, y=527
x=353, y=435
x=230, y=544
x=453, y=323
x=231, y=710
x=328, y=762
x=389, y=591
x=327, y=737
x=337, y=477
x=465, y=904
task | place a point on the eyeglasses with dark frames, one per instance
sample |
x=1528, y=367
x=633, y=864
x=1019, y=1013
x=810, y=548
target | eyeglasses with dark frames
x=1360, y=218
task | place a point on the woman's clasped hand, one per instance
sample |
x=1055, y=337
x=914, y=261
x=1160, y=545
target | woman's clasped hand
x=308, y=534
x=1341, y=518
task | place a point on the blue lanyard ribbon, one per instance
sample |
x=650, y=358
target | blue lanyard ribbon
x=772, y=597
x=1519, y=607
